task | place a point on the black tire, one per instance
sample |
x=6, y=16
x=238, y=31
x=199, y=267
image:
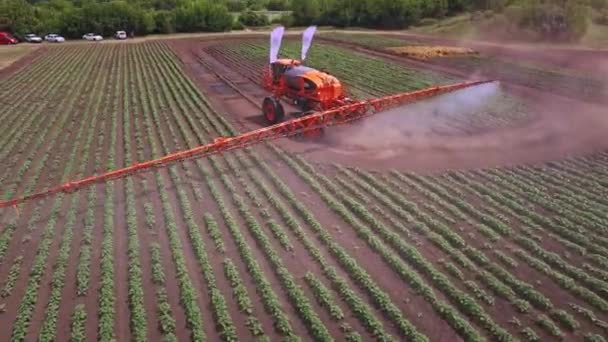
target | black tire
x=273, y=110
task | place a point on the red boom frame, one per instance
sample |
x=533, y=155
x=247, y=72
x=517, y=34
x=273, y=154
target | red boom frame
x=307, y=123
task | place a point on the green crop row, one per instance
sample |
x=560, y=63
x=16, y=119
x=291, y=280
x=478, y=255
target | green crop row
x=46, y=143
x=353, y=334
x=107, y=298
x=188, y=295
x=496, y=285
x=568, y=217
x=533, y=296
x=295, y=293
x=166, y=321
x=223, y=320
x=239, y=292
x=35, y=72
x=270, y=300
x=21, y=131
x=479, y=292
x=83, y=269
x=49, y=325
x=323, y=296
x=22, y=321
x=11, y=279
x=79, y=318
x=214, y=232
x=342, y=286
x=136, y=291
x=407, y=252
x=28, y=302
x=563, y=280
x=590, y=316
x=589, y=212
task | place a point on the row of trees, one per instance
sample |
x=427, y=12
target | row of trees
x=390, y=14
x=74, y=18
x=551, y=18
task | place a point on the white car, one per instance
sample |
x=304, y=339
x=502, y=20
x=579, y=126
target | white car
x=32, y=38
x=120, y=35
x=92, y=36
x=54, y=38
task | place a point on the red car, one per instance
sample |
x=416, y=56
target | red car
x=6, y=39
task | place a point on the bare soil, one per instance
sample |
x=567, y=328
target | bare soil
x=27, y=59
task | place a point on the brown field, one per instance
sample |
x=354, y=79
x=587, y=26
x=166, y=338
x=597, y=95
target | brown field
x=478, y=215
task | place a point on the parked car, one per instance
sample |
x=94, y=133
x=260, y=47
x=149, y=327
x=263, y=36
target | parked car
x=7, y=38
x=92, y=36
x=54, y=38
x=32, y=38
x=120, y=35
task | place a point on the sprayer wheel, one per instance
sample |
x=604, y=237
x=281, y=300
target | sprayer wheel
x=273, y=110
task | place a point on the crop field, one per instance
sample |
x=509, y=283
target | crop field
x=269, y=243
x=361, y=73
x=584, y=84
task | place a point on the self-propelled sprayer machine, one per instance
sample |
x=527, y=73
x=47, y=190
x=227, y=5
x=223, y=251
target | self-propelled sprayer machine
x=319, y=95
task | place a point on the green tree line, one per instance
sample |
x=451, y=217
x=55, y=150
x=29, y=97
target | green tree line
x=551, y=18
x=74, y=18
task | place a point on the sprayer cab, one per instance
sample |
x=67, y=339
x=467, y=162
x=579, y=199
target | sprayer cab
x=289, y=79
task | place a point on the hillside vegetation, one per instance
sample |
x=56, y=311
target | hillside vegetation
x=556, y=20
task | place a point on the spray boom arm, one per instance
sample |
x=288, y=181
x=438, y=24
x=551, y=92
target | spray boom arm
x=311, y=122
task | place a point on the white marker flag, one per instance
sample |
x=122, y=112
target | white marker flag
x=275, y=42
x=307, y=40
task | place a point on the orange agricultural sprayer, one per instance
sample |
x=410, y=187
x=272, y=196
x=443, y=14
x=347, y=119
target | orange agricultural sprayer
x=289, y=79
x=325, y=104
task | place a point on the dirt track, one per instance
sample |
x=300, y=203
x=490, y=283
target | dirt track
x=560, y=127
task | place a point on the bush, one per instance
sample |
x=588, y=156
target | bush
x=202, y=16
x=250, y=18
x=278, y=5
x=553, y=20
x=237, y=25
x=428, y=21
x=164, y=21
x=256, y=5
x=236, y=5
x=285, y=20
